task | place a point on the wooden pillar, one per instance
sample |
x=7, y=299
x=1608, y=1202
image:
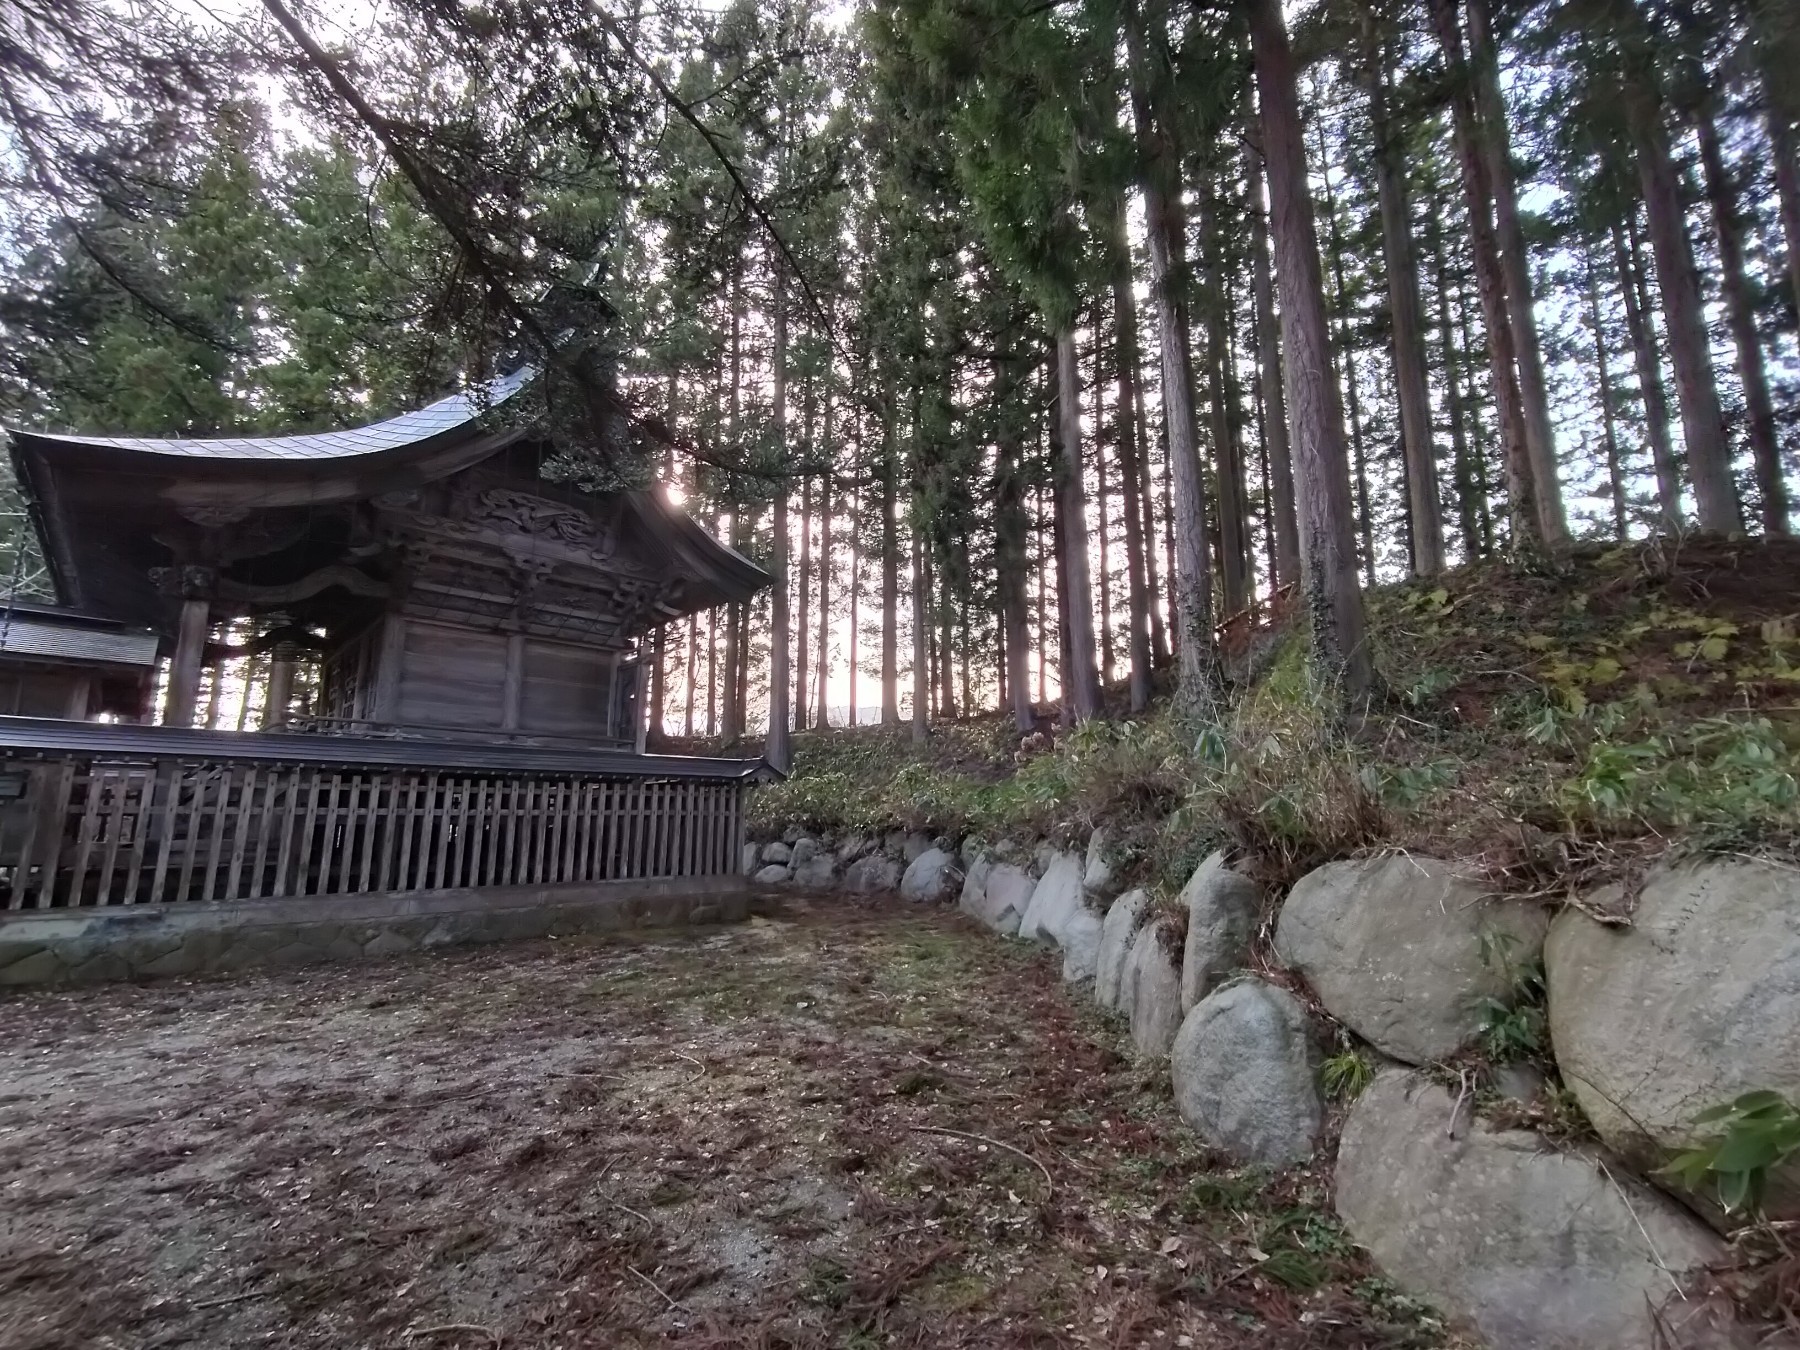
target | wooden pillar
x=387, y=670
x=184, y=667
x=640, y=709
x=281, y=687
x=512, y=687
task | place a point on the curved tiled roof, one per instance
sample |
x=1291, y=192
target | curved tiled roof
x=433, y=420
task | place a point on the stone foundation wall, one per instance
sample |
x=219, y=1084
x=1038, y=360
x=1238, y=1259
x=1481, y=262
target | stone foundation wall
x=75, y=946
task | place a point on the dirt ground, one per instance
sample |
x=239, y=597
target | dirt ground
x=799, y=1132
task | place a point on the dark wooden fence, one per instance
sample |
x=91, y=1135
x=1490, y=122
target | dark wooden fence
x=127, y=826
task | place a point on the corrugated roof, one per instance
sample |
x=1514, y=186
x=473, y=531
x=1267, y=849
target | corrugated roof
x=35, y=635
x=447, y=414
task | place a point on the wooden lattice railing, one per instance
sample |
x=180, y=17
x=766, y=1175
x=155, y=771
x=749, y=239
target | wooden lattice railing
x=85, y=830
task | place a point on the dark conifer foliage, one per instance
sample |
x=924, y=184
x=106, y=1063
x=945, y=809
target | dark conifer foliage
x=1039, y=351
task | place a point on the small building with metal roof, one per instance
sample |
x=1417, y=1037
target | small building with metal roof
x=436, y=653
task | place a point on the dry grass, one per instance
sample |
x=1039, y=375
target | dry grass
x=770, y=1136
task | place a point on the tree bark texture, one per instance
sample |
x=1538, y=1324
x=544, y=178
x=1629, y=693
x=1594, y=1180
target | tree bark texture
x=1333, y=600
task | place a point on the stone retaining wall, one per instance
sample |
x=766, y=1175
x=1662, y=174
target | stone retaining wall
x=1684, y=1000
x=76, y=946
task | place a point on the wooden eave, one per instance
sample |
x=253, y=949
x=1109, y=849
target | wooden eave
x=79, y=488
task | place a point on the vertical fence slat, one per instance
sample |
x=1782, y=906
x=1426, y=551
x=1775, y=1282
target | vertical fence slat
x=737, y=826
x=536, y=797
x=634, y=790
x=86, y=833
x=490, y=830
x=371, y=820
x=240, y=831
x=390, y=842
x=193, y=818
x=140, y=843
x=445, y=794
x=606, y=834
x=123, y=780
x=403, y=822
x=275, y=793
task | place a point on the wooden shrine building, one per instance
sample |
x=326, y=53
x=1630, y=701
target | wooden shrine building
x=448, y=646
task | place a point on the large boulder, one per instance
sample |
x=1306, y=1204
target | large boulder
x=1081, y=946
x=1538, y=1248
x=872, y=874
x=1097, y=873
x=778, y=852
x=931, y=877
x=1222, y=908
x=1153, y=985
x=1245, y=1069
x=817, y=873
x=1121, y=925
x=775, y=874
x=997, y=894
x=804, y=850
x=1402, y=950
x=914, y=846
x=1057, y=898
x=1693, y=1005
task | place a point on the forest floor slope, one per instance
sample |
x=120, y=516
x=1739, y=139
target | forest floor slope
x=1555, y=727
x=798, y=1133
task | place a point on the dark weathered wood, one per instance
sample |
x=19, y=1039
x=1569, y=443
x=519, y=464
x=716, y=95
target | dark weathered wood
x=86, y=833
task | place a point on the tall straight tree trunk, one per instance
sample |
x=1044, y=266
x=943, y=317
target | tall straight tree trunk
x=1740, y=314
x=1228, y=471
x=1609, y=422
x=946, y=649
x=659, y=649
x=1109, y=662
x=803, y=609
x=1321, y=471
x=803, y=613
x=921, y=655
x=1080, y=679
x=1043, y=608
x=890, y=569
x=1690, y=352
x=735, y=639
x=827, y=493
x=1131, y=458
x=1359, y=460
x=1407, y=319
x=856, y=561
x=1634, y=289
x=1490, y=282
x=1477, y=433
x=1470, y=484
x=693, y=674
x=778, y=748
x=1153, y=591
x=1268, y=367
x=1166, y=229
x=1515, y=265
x=1012, y=567
x=712, y=672
x=1784, y=148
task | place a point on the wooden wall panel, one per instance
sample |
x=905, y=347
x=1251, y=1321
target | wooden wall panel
x=565, y=690
x=451, y=676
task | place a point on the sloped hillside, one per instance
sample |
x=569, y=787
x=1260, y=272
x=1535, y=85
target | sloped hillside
x=1553, y=725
